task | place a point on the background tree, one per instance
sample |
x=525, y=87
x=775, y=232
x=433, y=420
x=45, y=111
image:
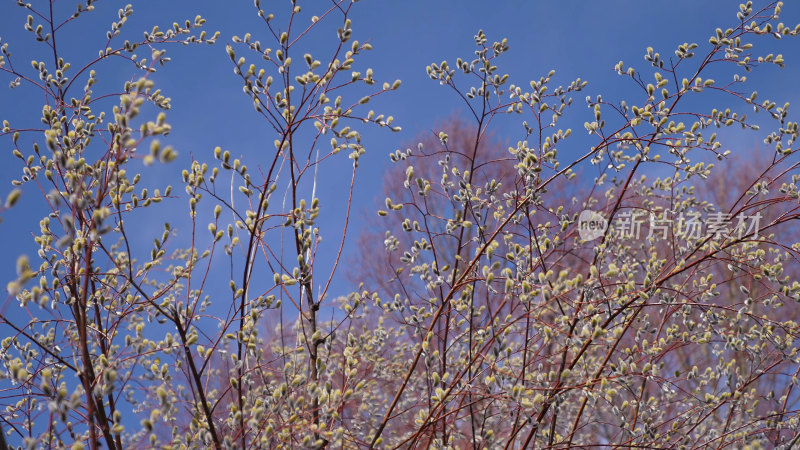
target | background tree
x=587, y=354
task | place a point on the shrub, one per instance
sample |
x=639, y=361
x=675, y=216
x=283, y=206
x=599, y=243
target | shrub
x=492, y=313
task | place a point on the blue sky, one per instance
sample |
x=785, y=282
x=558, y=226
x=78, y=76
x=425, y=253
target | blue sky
x=576, y=38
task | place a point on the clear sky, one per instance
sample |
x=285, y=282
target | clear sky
x=576, y=38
